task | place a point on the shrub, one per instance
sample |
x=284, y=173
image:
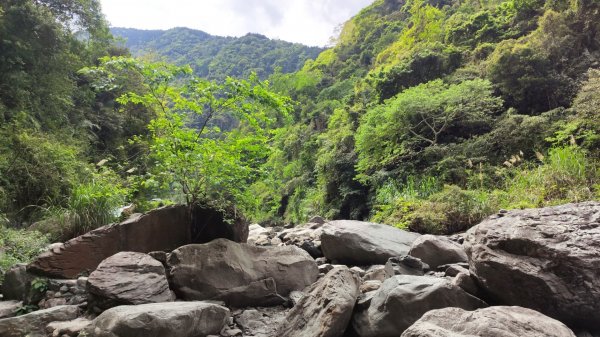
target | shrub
x=395, y=202
x=452, y=210
x=19, y=246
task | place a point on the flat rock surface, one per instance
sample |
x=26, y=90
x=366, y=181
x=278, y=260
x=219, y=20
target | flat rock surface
x=34, y=324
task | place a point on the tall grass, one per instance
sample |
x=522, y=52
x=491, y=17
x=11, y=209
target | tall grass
x=90, y=205
x=566, y=175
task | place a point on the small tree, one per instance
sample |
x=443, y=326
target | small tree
x=205, y=160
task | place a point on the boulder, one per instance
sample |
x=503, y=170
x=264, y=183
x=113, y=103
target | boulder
x=376, y=272
x=129, y=278
x=364, y=243
x=175, y=319
x=313, y=248
x=326, y=309
x=299, y=235
x=368, y=286
x=437, y=250
x=17, y=285
x=454, y=269
x=403, y=299
x=488, y=322
x=9, y=308
x=34, y=324
x=405, y=265
x=545, y=259
x=240, y=274
x=260, y=236
x=163, y=229
x=467, y=283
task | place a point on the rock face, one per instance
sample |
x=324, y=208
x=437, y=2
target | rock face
x=326, y=309
x=403, y=299
x=437, y=250
x=240, y=274
x=545, y=259
x=180, y=319
x=163, y=229
x=129, y=278
x=34, y=324
x=488, y=322
x=364, y=243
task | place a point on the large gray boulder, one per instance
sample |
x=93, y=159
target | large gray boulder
x=545, y=259
x=364, y=243
x=129, y=278
x=240, y=274
x=34, y=324
x=488, y=322
x=326, y=309
x=175, y=319
x=403, y=299
x=437, y=250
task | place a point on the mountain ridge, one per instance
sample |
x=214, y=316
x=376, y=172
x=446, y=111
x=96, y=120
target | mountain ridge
x=216, y=57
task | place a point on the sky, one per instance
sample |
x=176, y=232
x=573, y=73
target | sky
x=312, y=22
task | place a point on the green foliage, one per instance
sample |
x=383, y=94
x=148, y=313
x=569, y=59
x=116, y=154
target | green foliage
x=39, y=285
x=584, y=125
x=36, y=168
x=191, y=152
x=53, y=125
x=422, y=64
x=19, y=246
x=469, y=92
x=427, y=115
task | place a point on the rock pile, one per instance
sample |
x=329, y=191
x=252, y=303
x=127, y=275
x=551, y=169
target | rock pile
x=538, y=269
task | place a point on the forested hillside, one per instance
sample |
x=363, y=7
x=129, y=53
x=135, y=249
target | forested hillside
x=216, y=57
x=434, y=114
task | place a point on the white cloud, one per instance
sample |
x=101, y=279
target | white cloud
x=310, y=22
